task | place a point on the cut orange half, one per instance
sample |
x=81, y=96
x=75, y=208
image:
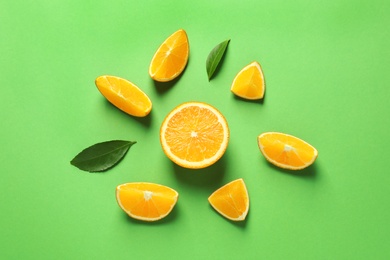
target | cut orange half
x=249, y=82
x=146, y=201
x=194, y=135
x=286, y=151
x=231, y=200
x=170, y=58
x=124, y=95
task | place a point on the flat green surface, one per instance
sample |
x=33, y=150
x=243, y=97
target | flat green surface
x=326, y=65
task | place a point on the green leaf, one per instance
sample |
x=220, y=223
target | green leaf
x=101, y=156
x=215, y=57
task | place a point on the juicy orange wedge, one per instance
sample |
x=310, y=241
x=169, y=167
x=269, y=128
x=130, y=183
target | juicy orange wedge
x=124, y=95
x=146, y=201
x=249, y=82
x=170, y=58
x=194, y=135
x=231, y=200
x=286, y=151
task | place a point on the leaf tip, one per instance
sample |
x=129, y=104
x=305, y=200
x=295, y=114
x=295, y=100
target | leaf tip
x=209, y=76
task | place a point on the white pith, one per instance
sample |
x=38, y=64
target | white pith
x=148, y=195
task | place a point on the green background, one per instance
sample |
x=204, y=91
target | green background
x=326, y=65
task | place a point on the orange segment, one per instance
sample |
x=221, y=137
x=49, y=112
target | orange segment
x=194, y=135
x=146, y=201
x=170, y=58
x=249, y=82
x=124, y=95
x=231, y=200
x=286, y=151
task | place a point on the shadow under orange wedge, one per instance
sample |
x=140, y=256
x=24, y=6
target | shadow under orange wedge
x=286, y=151
x=146, y=201
x=231, y=200
x=194, y=135
x=124, y=95
x=170, y=58
x=249, y=82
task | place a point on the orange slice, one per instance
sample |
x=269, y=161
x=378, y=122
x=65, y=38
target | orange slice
x=194, y=135
x=170, y=58
x=286, y=151
x=146, y=201
x=124, y=95
x=249, y=82
x=231, y=200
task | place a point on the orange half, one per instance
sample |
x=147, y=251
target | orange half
x=231, y=200
x=286, y=151
x=249, y=82
x=124, y=95
x=146, y=201
x=170, y=58
x=194, y=135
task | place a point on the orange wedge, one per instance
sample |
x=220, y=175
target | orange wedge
x=124, y=95
x=286, y=151
x=231, y=200
x=170, y=58
x=194, y=135
x=249, y=82
x=146, y=201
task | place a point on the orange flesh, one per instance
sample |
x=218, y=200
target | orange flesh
x=194, y=135
x=171, y=57
x=199, y=130
x=287, y=151
x=146, y=201
x=231, y=200
x=249, y=82
x=124, y=95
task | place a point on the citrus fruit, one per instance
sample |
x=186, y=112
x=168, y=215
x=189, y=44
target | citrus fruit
x=231, y=200
x=146, y=201
x=170, y=58
x=249, y=82
x=286, y=151
x=194, y=135
x=124, y=95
